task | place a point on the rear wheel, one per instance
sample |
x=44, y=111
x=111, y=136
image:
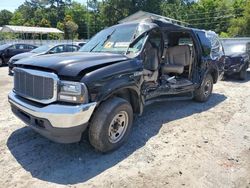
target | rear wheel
x=111, y=124
x=203, y=93
x=243, y=74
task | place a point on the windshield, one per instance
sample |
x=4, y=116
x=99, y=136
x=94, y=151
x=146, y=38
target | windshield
x=41, y=49
x=115, y=39
x=234, y=47
x=2, y=47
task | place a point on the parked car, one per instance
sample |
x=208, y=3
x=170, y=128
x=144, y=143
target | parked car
x=81, y=44
x=237, y=58
x=42, y=50
x=115, y=75
x=9, y=50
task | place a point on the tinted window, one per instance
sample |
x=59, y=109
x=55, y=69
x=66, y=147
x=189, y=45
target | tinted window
x=185, y=41
x=30, y=47
x=19, y=46
x=58, y=49
x=71, y=48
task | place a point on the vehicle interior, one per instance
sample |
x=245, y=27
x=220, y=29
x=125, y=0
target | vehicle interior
x=168, y=60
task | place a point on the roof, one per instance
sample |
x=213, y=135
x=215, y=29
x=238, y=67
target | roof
x=25, y=29
x=141, y=15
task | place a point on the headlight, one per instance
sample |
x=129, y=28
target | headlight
x=73, y=92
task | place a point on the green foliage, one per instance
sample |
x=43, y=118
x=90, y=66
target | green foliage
x=70, y=28
x=5, y=17
x=224, y=35
x=226, y=17
x=240, y=26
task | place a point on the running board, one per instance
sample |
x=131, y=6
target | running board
x=170, y=98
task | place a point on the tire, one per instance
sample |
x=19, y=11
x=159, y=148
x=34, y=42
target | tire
x=1, y=62
x=243, y=74
x=203, y=93
x=105, y=132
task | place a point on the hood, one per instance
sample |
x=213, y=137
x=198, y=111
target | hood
x=23, y=55
x=71, y=64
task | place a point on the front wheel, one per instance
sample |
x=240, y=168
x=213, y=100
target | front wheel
x=111, y=124
x=203, y=93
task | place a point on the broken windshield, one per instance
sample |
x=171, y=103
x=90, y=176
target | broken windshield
x=116, y=39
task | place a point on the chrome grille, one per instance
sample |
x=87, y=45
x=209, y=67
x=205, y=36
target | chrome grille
x=35, y=85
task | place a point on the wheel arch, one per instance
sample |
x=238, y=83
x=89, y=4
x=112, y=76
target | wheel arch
x=129, y=94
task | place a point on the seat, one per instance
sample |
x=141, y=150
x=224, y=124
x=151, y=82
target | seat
x=177, y=58
x=151, y=63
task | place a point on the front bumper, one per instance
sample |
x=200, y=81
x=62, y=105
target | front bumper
x=58, y=122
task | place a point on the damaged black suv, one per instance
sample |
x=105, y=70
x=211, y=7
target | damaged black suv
x=119, y=71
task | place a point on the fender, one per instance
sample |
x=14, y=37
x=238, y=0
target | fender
x=104, y=82
x=125, y=89
x=212, y=68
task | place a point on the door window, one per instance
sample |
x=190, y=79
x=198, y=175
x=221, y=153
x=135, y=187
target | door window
x=72, y=48
x=29, y=47
x=58, y=49
x=20, y=46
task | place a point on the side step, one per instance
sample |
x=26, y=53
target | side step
x=186, y=96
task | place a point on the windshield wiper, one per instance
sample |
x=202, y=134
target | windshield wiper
x=108, y=37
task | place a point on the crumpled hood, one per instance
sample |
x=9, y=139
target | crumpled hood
x=71, y=64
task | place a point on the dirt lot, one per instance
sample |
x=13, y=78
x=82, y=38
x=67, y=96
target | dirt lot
x=174, y=144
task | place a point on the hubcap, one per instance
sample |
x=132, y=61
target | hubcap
x=207, y=88
x=118, y=127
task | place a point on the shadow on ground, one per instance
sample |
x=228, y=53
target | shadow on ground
x=235, y=78
x=75, y=163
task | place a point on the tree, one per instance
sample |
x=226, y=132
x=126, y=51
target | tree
x=44, y=23
x=240, y=26
x=17, y=19
x=5, y=17
x=70, y=28
x=78, y=12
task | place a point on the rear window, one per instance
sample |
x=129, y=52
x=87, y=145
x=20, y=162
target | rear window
x=185, y=41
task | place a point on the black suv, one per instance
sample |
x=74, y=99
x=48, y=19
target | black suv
x=119, y=71
x=237, y=57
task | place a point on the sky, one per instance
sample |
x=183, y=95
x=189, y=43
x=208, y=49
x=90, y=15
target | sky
x=11, y=5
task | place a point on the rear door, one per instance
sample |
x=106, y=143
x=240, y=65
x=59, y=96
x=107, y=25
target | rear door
x=71, y=48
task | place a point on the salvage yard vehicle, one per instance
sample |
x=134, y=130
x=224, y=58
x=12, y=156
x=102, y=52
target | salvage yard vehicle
x=112, y=77
x=9, y=50
x=42, y=50
x=237, y=58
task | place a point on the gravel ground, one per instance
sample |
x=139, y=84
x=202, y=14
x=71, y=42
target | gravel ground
x=174, y=144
